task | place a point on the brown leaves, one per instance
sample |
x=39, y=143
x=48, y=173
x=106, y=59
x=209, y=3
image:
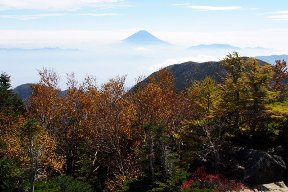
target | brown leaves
x=279, y=80
x=9, y=131
x=99, y=119
x=159, y=103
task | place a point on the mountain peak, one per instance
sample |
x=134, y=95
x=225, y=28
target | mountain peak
x=143, y=37
x=143, y=32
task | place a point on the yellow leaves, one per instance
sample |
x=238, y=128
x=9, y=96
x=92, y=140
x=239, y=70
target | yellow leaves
x=127, y=116
x=38, y=146
x=157, y=101
x=257, y=74
x=55, y=163
x=9, y=130
x=176, y=136
x=278, y=110
x=12, y=143
x=22, y=138
x=203, y=96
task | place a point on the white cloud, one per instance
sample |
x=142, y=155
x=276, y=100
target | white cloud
x=281, y=17
x=277, y=15
x=39, y=16
x=214, y=8
x=62, y=38
x=89, y=38
x=281, y=12
x=206, y=7
x=198, y=58
x=30, y=17
x=99, y=14
x=241, y=38
x=57, y=4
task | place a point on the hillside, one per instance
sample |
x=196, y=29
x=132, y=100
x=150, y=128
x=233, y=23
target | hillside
x=186, y=73
x=24, y=91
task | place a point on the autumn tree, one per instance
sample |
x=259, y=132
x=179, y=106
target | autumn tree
x=91, y=126
x=231, y=103
x=45, y=102
x=203, y=133
x=38, y=152
x=257, y=94
x=160, y=109
x=280, y=78
x=277, y=110
x=203, y=96
x=245, y=97
x=60, y=115
x=158, y=102
x=113, y=117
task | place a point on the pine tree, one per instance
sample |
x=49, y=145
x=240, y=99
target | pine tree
x=231, y=103
x=8, y=99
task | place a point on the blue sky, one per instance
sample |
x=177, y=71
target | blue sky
x=95, y=26
x=265, y=20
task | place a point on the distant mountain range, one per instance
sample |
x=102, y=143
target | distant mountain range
x=144, y=38
x=225, y=48
x=272, y=58
x=215, y=46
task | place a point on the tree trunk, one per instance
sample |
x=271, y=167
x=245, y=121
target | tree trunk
x=32, y=168
x=151, y=159
x=70, y=163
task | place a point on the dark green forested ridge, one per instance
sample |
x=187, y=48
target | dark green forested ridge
x=186, y=73
x=24, y=91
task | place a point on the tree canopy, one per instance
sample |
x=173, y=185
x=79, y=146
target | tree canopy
x=152, y=138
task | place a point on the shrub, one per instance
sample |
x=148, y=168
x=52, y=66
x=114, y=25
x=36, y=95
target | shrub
x=196, y=187
x=10, y=175
x=202, y=180
x=63, y=184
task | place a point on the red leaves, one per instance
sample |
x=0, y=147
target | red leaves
x=211, y=181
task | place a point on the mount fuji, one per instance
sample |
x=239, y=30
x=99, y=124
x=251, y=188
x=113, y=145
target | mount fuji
x=143, y=37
